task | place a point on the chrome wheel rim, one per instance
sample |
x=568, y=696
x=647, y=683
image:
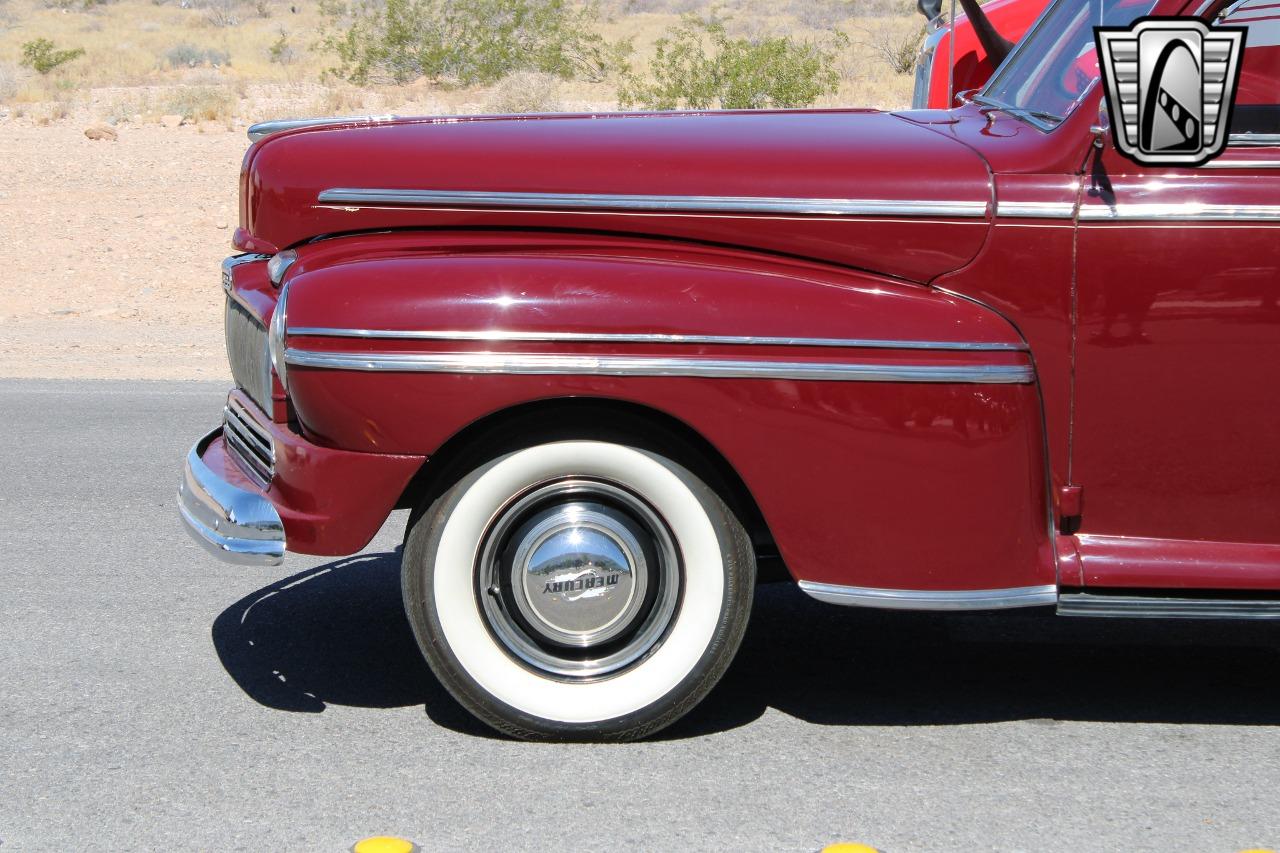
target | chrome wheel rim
x=578, y=579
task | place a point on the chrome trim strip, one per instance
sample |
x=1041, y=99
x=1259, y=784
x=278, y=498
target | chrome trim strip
x=1036, y=209
x=1154, y=607
x=233, y=524
x=1253, y=140
x=618, y=365
x=914, y=599
x=347, y=196
x=1187, y=212
x=266, y=128
x=1242, y=164
x=609, y=338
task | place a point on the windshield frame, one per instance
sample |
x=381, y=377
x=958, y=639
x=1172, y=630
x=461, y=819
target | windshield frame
x=1029, y=115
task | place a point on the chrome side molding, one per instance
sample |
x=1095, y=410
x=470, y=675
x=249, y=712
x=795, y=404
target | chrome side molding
x=1187, y=212
x=1165, y=607
x=372, y=197
x=266, y=128
x=500, y=335
x=1036, y=210
x=914, y=599
x=1228, y=163
x=619, y=365
x=1254, y=140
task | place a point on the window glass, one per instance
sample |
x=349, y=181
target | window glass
x=1052, y=68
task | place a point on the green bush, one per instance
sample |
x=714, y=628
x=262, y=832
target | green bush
x=281, y=52
x=185, y=55
x=465, y=41
x=698, y=66
x=44, y=57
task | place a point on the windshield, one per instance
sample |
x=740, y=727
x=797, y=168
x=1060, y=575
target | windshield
x=1054, y=66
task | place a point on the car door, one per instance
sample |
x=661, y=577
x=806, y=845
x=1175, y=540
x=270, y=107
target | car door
x=1177, y=386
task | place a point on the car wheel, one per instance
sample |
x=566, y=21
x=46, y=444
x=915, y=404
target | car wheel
x=578, y=590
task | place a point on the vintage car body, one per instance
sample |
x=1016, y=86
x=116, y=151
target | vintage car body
x=893, y=352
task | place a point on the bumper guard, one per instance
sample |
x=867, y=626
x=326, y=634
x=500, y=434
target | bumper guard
x=233, y=524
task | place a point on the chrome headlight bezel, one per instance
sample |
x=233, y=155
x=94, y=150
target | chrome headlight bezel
x=276, y=338
x=279, y=265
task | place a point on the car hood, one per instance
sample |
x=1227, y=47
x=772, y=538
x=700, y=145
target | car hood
x=859, y=188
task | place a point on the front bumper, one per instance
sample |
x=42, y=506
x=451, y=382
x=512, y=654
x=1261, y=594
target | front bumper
x=233, y=524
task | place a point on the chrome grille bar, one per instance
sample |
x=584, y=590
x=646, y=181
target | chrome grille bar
x=249, y=443
x=247, y=353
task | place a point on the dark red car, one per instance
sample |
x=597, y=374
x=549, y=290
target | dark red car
x=951, y=360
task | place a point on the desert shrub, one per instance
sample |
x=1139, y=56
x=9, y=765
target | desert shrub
x=820, y=14
x=341, y=101
x=10, y=79
x=887, y=8
x=70, y=5
x=467, y=41
x=696, y=65
x=220, y=13
x=281, y=51
x=51, y=111
x=42, y=56
x=198, y=103
x=899, y=50
x=127, y=108
x=524, y=92
x=186, y=55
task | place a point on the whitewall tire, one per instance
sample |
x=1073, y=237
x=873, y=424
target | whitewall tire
x=578, y=590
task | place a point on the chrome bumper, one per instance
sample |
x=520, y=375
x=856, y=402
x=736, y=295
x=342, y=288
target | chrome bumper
x=233, y=524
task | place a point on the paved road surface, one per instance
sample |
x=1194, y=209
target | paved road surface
x=152, y=698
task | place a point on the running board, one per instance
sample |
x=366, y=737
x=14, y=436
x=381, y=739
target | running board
x=1165, y=607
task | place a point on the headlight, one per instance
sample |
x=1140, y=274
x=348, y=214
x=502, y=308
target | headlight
x=275, y=338
x=279, y=265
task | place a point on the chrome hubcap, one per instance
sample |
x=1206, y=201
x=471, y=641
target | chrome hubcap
x=579, y=574
x=578, y=578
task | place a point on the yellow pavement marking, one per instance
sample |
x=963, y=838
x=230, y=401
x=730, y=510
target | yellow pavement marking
x=384, y=844
x=849, y=847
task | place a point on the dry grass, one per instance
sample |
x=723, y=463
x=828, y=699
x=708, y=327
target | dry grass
x=214, y=59
x=525, y=92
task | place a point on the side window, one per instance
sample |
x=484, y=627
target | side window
x=1257, y=111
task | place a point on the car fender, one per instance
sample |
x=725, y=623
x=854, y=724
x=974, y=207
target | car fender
x=890, y=434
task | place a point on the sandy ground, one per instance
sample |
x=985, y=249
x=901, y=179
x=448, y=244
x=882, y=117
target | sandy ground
x=110, y=251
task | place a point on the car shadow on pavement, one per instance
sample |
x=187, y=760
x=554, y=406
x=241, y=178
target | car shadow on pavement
x=333, y=635
x=337, y=634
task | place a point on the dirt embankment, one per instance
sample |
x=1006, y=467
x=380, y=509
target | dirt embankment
x=110, y=251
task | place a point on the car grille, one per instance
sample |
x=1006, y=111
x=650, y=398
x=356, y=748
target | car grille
x=249, y=443
x=247, y=352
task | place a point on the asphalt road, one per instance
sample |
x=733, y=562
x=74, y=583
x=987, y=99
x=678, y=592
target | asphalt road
x=152, y=698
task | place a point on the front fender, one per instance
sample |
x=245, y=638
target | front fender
x=890, y=434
